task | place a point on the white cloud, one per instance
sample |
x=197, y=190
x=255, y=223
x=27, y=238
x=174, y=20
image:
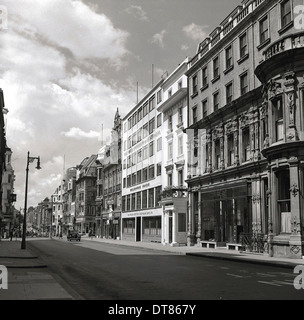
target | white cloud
x=195, y=32
x=158, y=38
x=137, y=12
x=184, y=47
x=77, y=133
x=71, y=25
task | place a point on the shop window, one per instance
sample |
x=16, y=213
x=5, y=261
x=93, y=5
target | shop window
x=283, y=180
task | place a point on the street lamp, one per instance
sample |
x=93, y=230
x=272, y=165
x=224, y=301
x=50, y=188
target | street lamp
x=29, y=160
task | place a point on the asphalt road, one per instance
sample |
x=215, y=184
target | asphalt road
x=99, y=271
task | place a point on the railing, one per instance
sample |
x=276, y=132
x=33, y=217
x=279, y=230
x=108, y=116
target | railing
x=287, y=43
x=253, y=242
x=205, y=46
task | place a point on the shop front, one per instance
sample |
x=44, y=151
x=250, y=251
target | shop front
x=111, y=225
x=225, y=215
x=145, y=226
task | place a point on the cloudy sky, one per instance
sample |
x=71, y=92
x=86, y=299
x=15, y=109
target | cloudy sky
x=67, y=65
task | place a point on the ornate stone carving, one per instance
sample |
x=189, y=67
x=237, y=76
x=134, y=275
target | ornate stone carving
x=274, y=89
x=244, y=120
x=294, y=189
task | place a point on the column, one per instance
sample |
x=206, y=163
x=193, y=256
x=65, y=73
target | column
x=190, y=235
x=209, y=155
x=270, y=220
x=295, y=243
x=174, y=224
x=290, y=103
x=199, y=227
x=235, y=129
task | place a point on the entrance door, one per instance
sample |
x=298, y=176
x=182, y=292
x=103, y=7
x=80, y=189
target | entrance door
x=170, y=228
x=138, y=228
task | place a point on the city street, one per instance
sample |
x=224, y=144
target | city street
x=93, y=270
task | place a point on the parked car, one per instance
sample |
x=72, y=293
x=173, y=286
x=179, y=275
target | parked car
x=73, y=235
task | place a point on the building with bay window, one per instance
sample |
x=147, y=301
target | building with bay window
x=85, y=204
x=108, y=197
x=245, y=132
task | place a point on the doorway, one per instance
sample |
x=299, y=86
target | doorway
x=170, y=227
x=138, y=228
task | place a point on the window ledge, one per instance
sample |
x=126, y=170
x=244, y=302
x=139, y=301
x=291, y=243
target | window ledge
x=245, y=57
x=204, y=87
x=194, y=95
x=263, y=44
x=215, y=79
x=229, y=69
x=288, y=25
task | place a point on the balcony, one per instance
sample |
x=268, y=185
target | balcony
x=279, y=55
x=287, y=43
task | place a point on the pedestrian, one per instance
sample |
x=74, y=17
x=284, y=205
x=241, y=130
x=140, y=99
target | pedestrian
x=91, y=234
x=11, y=235
x=60, y=235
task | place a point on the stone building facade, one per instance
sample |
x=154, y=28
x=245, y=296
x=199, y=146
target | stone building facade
x=245, y=130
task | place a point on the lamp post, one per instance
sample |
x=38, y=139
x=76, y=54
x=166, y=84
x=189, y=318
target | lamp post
x=29, y=160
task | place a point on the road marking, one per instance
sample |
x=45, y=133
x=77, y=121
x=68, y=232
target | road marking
x=270, y=283
x=284, y=283
x=265, y=274
x=235, y=275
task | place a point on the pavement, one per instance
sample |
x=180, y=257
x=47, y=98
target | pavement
x=29, y=278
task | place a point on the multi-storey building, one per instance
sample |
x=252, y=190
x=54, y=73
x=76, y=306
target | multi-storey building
x=174, y=156
x=109, y=183
x=57, y=204
x=246, y=132
x=86, y=176
x=141, y=173
x=8, y=179
x=2, y=156
x=44, y=209
x=69, y=196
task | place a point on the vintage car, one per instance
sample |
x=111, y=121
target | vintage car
x=73, y=235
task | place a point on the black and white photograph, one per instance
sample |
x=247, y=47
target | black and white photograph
x=151, y=154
